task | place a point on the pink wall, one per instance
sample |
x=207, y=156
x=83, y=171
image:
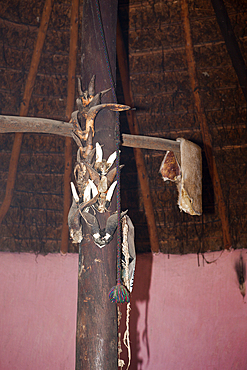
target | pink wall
x=38, y=297
x=183, y=317
x=186, y=317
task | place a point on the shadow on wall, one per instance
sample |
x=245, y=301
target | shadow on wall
x=139, y=312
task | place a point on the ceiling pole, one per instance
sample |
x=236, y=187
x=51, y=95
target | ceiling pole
x=69, y=109
x=231, y=43
x=96, y=342
x=133, y=126
x=207, y=141
x=24, y=107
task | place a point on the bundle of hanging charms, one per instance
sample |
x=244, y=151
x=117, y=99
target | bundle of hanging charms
x=94, y=179
x=95, y=183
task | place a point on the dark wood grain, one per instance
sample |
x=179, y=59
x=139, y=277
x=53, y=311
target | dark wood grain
x=96, y=343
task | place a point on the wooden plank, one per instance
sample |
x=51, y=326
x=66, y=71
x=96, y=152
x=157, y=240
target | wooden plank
x=24, y=107
x=207, y=141
x=69, y=110
x=147, y=142
x=133, y=126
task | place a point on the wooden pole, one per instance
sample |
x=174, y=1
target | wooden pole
x=133, y=126
x=69, y=109
x=50, y=126
x=148, y=142
x=96, y=342
x=24, y=107
x=33, y=124
x=207, y=141
x=231, y=43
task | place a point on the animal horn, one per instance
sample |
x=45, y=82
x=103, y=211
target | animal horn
x=93, y=187
x=111, y=191
x=87, y=193
x=91, y=86
x=79, y=87
x=99, y=153
x=74, y=192
x=112, y=158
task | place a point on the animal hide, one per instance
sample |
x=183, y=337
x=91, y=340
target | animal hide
x=185, y=169
x=129, y=255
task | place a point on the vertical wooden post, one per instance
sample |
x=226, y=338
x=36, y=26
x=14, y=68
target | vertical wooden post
x=96, y=347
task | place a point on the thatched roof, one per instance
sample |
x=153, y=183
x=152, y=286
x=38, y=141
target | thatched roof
x=161, y=81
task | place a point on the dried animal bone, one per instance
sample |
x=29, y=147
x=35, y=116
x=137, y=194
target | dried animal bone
x=102, y=203
x=102, y=165
x=76, y=210
x=89, y=106
x=102, y=180
x=87, y=98
x=101, y=237
x=84, y=154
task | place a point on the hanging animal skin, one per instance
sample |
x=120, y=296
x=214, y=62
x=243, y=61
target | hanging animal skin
x=185, y=169
x=102, y=237
x=128, y=253
x=89, y=106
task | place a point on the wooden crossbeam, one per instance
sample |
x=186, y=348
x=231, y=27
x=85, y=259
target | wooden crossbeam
x=148, y=142
x=10, y=124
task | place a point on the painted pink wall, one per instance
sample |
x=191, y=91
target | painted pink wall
x=186, y=317
x=38, y=298
x=183, y=317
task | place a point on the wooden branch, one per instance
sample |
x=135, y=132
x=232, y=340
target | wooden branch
x=231, y=43
x=133, y=126
x=48, y=126
x=24, y=107
x=147, y=142
x=69, y=110
x=36, y=125
x=207, y=141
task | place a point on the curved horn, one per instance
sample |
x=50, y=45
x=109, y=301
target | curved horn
x=99, y=153
x=111, y=191
x=79, y=87
x=112, y=158
x=91, y=86
x=74, y=192
x=93, y=187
